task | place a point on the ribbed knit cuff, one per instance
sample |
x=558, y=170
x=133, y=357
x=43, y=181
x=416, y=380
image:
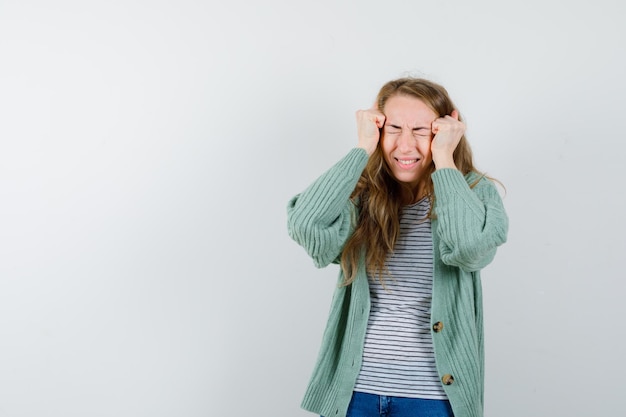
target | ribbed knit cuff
x=356, y=157
x=338, y=181
x=448, y=180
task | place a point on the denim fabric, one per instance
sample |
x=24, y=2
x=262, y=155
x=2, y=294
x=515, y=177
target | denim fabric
x=372, y=405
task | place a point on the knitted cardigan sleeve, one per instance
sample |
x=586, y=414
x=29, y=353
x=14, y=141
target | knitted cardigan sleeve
x=472, y=222
x=320, y=218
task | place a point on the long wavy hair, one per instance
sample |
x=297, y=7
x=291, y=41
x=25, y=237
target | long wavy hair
x=380, y=197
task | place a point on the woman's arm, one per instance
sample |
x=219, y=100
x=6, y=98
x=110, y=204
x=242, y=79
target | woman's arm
x=471, y=222
x=320, y=218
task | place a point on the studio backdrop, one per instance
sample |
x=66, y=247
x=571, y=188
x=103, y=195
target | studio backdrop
x=148, y=150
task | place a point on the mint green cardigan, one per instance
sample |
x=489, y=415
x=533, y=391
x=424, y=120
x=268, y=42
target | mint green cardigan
x=469, y=224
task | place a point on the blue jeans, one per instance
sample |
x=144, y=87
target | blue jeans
x=372, y=405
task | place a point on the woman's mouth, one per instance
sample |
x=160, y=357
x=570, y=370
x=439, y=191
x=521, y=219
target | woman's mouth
x=407, y=163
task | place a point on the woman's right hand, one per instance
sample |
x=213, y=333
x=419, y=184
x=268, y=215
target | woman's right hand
x=368, y=125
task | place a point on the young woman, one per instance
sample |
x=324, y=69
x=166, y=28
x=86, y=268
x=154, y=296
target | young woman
x=412, y=223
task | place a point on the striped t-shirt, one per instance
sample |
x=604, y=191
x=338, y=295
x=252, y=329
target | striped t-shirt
x=398, y=357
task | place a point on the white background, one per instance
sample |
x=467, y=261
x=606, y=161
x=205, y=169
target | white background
x=148, y=150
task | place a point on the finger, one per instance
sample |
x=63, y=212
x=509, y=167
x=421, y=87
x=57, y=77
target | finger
x=434, y=127
x=375, y=116
x=380, y=120
x=455, y=114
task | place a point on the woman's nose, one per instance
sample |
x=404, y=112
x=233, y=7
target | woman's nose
x=405, y=141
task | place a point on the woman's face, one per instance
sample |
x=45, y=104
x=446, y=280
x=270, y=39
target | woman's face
x=406, y=138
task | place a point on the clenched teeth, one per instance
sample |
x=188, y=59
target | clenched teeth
x=407, y=161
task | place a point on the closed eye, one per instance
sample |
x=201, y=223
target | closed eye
x=421, y=132
x=417, y=131
x=392, y=129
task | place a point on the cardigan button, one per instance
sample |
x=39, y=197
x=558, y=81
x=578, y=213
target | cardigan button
x=437, y=327
x=447, y=379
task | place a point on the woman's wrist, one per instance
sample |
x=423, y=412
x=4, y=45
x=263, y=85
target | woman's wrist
x=444, y=162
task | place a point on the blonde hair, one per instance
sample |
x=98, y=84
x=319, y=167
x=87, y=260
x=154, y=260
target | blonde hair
x=380, y=197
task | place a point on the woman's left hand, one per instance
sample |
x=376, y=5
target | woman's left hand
x=448, y=131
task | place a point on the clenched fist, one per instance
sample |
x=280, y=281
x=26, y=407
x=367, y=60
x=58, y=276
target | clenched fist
x=448, y=131
x=368, y=124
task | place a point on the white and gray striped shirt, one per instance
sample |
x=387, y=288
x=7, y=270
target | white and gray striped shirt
x=398, y=358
